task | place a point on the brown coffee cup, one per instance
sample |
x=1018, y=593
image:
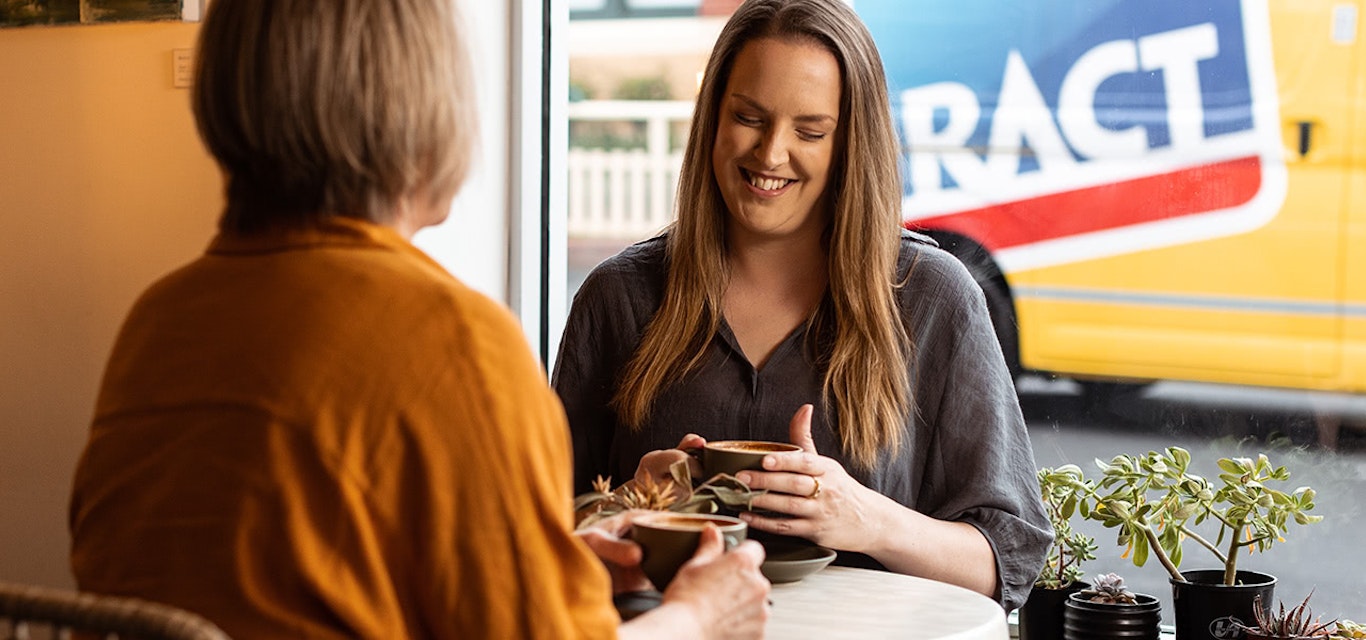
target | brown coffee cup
x=733, y=456
x=667, y=540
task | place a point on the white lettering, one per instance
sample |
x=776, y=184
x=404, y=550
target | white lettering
x=947, y=146
x=1077, y=109
x=1023, y=118
x=1177, y=54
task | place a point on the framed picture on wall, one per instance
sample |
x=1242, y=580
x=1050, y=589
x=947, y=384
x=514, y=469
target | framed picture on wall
x=24, y=13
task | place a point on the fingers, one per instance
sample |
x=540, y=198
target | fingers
x=709, y=546
x=612, y=549
x=801, y=485
x=692, y=441
x=751, y=551
x=655, y=464
x=811, y=464
x=799, y=429
x=788, y=526
x=616, y=525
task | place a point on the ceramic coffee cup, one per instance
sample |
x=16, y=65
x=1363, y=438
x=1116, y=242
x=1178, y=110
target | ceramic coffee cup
x=733, y=456
x=667, y=540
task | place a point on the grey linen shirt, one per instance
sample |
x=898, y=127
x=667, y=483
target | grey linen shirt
x=966, y=455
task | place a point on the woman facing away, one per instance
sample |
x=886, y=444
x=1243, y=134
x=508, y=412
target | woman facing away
x=786, y=284
x=313, y=430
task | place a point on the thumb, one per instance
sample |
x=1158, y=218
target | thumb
x=799, y=430
x=709, y=545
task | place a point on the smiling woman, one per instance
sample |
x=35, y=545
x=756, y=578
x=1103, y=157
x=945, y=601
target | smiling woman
x=785, y=303
x=1019, y=125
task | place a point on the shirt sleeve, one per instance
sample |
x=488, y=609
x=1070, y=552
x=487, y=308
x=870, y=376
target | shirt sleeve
x=981, y=467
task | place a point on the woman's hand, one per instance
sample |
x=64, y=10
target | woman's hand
x=825, y=504
x=621, y=556
x=655, y=464
x=725, y=589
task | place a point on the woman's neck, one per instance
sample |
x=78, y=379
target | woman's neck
x=791, y=264
x=773, y=288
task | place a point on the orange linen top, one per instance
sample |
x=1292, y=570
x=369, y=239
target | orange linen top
x=323, y=434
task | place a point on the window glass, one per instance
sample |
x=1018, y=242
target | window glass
x=1164, y=203
x=586, y=5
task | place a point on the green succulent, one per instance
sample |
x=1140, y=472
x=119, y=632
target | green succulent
x=1109, y=588
x=1156, y=503
x=1065, y=492
x=1348, y=630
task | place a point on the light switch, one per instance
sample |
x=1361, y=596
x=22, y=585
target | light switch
x=182, y=67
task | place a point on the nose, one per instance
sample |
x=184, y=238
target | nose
x=771, y=149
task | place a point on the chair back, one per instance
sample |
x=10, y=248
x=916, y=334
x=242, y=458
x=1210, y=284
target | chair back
x=27, y=609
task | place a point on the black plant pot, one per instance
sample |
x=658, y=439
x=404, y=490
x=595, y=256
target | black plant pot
x=1207, y=609
x=1086, y=620
x=1040, y=617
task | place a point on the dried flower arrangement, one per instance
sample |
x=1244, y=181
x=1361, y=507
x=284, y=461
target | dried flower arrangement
x=676, y=494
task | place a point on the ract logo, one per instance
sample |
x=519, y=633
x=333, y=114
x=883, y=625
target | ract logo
x=1056, y=131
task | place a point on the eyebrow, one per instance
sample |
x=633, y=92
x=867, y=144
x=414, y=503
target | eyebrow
x=806, y=118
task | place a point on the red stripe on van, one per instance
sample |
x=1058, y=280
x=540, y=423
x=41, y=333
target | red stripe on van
x=1059, y=215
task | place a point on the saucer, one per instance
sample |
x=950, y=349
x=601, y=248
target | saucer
x=791, y=559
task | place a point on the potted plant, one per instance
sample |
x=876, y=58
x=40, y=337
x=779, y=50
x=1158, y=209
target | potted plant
x=1348, y=630
x=1298, y=623
x=1157, y=504
x=1065, y=492
x=1108, y=610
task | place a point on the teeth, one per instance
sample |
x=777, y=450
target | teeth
x=767, y=184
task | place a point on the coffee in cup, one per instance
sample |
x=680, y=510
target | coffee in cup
x=733, y=456
x=667, y=540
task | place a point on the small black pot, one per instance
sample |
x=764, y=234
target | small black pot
x=1040, y=617
x=1086, y=620
x=1207, y=609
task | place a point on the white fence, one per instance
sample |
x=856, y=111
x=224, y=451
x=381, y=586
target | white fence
x=625, y=193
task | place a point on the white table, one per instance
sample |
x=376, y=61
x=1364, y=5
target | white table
x=843, y=602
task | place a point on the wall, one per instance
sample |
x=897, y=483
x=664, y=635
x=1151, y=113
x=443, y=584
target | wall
x=103, y=188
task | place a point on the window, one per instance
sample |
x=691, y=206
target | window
x=1157, y=201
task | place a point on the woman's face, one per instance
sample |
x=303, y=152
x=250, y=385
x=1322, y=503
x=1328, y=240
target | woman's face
x=775, y=138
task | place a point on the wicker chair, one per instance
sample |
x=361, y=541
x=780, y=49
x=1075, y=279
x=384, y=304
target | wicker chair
x=39, y=612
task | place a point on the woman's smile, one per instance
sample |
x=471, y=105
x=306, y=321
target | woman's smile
x=766, y=186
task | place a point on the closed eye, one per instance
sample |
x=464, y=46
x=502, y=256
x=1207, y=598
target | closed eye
x=811, y=136
x=748, y=121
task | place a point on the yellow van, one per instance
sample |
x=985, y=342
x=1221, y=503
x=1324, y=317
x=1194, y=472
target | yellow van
x=1146, y=189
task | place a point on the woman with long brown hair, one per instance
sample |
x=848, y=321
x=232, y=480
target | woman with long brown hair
x=786, y=284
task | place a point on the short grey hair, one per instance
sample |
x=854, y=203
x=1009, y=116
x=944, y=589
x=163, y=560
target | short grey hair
x=319, y=108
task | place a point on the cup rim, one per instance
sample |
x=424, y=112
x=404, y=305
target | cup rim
x=777, y=447
x=723, y=522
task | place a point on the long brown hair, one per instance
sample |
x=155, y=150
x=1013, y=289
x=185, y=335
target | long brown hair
x=867, y=348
